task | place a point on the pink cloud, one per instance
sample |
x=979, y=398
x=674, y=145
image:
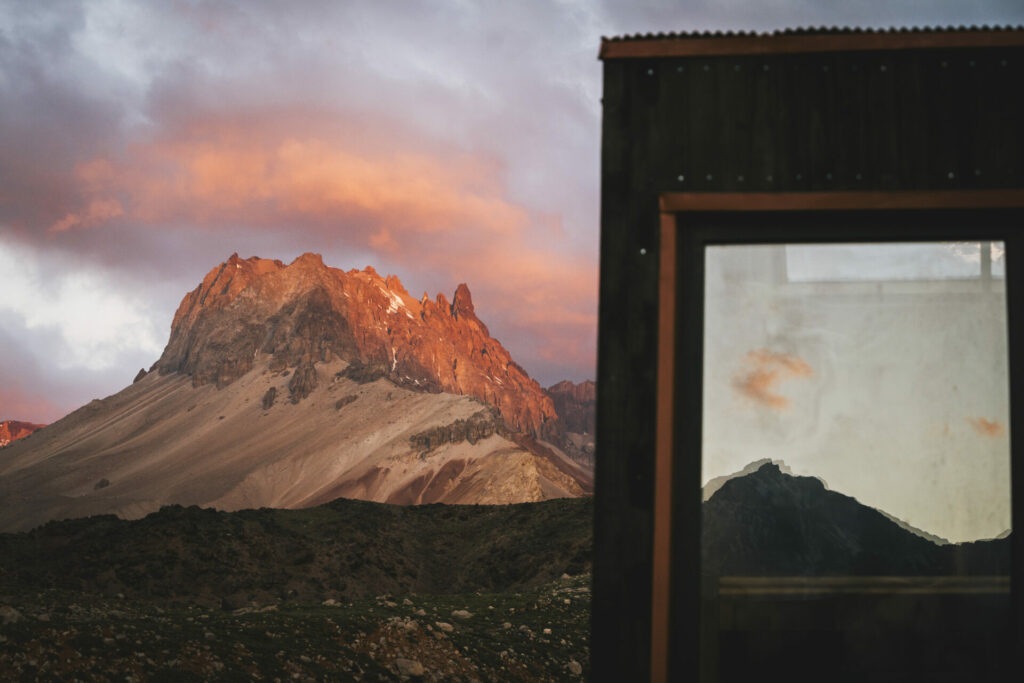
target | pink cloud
x=98, y=212
x=19, y=405
x=431, y=210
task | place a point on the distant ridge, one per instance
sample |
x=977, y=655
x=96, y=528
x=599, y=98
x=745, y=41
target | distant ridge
x=576, y=405
x=12, y=430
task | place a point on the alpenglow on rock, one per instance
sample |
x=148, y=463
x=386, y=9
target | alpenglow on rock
x=305, y=313
x=12, y=430
x=290, y=386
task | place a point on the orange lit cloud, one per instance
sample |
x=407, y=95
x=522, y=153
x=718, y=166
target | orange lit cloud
x=436, y=211
x=228, y=177
x=98, y=212
x=763, y=371
x=989, y=428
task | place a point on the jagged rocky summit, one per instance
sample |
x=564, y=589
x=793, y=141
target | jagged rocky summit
x=289, y=386
x=305, y=313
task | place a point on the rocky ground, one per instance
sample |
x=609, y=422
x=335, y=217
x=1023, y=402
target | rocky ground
x=539, y=634
x=349, y=590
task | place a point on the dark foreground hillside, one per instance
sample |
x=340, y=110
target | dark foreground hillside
x=345, y=591
x=344, y=550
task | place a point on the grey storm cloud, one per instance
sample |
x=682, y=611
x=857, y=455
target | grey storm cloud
x=36, y=385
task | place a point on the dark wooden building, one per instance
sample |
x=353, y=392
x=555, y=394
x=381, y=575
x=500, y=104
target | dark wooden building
x=796, y=136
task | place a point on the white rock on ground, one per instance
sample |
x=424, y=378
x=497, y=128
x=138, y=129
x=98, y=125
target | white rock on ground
x=408, y=667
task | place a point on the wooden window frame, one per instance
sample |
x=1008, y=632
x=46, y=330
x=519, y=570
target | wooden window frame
x=690, y=221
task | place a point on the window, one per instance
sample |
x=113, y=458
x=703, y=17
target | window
x=845, y=377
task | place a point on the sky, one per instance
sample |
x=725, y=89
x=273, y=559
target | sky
x=880, y=369
x=141, y=144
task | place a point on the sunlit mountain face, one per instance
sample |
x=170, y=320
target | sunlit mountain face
x=291, y=385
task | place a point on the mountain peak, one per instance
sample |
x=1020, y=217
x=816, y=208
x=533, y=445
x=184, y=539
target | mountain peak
x=462, y=308
x=772, y=473
x=306, y=313
x=309, y=259
x=769, y=469
x=462, y=302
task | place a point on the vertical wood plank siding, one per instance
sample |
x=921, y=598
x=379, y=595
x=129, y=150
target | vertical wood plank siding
x=939, y=118
x=627, y=338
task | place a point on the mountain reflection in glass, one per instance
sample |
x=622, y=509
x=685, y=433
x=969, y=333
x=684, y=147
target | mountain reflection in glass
x=855, y=462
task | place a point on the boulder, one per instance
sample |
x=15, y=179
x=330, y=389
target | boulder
x=408, y=667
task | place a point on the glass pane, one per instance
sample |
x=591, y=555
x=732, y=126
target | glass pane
x=935, y=261
x=855, y=459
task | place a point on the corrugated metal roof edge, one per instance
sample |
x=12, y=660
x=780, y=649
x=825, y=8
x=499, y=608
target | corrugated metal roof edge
x=805, y=31
x=807, y=40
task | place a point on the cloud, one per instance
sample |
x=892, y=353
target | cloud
x=36, y=388
x=17, y=404
x=763, y=371
x=233, y=175
x=446, y=142
x=163, y=138
x=439, y=212
x=988, y=428
x=98, y=212
x=645, y=16
x=88, y=320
